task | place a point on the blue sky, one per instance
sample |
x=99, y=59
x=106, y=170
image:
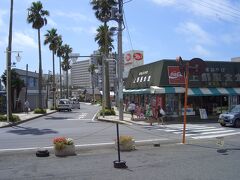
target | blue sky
x=163, y=29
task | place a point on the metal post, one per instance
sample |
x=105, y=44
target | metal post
x=185, y=103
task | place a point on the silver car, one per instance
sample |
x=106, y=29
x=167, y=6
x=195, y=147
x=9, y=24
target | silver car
x=231, y=117
x=64, y=104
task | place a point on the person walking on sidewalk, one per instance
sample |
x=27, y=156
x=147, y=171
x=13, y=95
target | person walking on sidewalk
x=26, y=106
x=161, y=114
x=132, y=108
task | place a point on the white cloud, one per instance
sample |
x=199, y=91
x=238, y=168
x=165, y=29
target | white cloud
x=72, y=15
x=231, y=38
x=165, y=2
x=200, y=51
x=23, y=40
x=225, y=10
x=195, y=33
x=2, y=24
x=51, y=22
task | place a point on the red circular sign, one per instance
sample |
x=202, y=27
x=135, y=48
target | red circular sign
x=138, y=56
x=128, y=57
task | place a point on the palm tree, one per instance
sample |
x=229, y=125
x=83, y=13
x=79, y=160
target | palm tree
x=16, y=85
x=53, y=39
x=91, y=69
x=104, y=40
x=103, y=12
x=66, y=62
x=37, y=17
x=60, y=52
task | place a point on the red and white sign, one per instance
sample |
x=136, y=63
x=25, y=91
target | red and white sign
x=138, y=56
x=132, y=59
x=175, y=76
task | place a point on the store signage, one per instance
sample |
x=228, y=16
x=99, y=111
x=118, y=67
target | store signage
x=138, y=56
x=128, y=58
x=174, y=75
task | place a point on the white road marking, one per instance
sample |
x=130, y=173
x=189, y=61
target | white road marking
x=217, y=135
x=197, y=131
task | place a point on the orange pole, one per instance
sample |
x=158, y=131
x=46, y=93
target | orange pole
x=185, y=103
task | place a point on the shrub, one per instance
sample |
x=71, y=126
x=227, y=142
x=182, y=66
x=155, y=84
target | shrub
x=40, y=111
x=125, y=139
x=13, y=118
x=108, y=112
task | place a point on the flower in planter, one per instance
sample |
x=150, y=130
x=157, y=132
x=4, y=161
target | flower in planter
x=62, y=142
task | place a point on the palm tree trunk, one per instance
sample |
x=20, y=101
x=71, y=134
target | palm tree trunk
x=67, y=82
x=54, y=85
x=107, y=89
x=40, y=72
x=93, y=94
x=60, y=68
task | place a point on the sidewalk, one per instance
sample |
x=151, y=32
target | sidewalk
x=24, y=117
x=168, y=120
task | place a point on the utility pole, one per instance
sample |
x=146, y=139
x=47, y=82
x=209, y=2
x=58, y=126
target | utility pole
x=8, y=54
x=120, y=163
x=120, y=62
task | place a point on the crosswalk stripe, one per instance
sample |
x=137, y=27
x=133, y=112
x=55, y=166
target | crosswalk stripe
x=215, y=132
x=196, y=131
x=203, y=130
x=216, y=135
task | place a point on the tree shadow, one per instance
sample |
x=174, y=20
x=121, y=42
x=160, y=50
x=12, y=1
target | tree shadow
x=29, y=130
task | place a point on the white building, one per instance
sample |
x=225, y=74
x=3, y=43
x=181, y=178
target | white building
x=80, y=76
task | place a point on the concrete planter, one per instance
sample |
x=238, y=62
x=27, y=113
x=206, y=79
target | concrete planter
x=68, y=150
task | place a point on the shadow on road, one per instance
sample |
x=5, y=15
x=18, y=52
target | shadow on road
x=55, y=118
x=28, y=130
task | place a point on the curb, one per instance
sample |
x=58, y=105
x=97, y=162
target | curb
x=114, y=121
x=96, y=146
x=26, y=120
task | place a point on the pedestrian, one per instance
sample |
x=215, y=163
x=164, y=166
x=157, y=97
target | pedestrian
x=138, y=111
x=26, y=106
x=161, y=114
x=132, y=108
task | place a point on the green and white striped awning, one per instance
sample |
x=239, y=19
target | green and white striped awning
x=213, y=91
x=180, y=90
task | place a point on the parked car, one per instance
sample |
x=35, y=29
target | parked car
x=231, y=117
x=64, y=104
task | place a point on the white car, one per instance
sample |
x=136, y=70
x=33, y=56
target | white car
x=64, y=104
x=75, y=105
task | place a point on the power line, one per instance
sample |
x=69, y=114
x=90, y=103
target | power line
x=126, y=25
x=217, y=10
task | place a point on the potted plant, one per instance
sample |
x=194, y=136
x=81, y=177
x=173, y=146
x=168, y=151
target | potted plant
x=64, y=146
x=126, y=143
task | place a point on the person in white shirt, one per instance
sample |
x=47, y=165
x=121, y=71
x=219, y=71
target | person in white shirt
x=132, y=108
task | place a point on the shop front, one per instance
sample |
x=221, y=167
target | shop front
x=160, y=83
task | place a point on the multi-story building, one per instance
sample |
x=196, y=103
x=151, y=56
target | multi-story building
x=30, y=91
x=80, y=76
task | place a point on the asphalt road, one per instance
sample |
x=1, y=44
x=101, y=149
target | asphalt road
x=198, y=161
x=82, y=127
x=78, y=124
